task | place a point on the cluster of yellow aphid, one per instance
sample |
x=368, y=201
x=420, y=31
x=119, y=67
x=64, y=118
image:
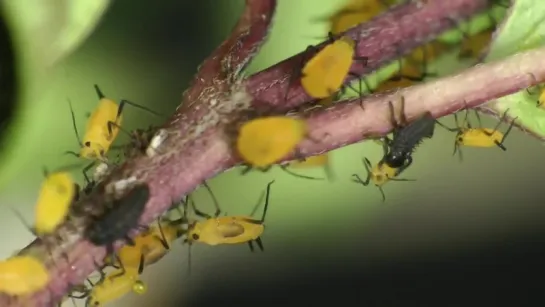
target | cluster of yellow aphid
x=261, y=143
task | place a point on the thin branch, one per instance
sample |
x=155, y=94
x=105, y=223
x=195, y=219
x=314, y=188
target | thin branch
x=346, y=123
x=384, y=39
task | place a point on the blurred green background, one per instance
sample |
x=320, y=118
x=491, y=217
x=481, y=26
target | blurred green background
x=460, y=229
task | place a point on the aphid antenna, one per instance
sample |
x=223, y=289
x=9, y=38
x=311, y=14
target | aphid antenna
x=22, y=219
x=74, y=126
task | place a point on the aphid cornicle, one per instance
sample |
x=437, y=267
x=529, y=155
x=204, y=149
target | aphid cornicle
x=122, y=216
x=21, y=275
x=229, y=229
x=466, y=135
x=398, y=151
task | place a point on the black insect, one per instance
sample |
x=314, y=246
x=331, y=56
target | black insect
x=122, y=217
x=406, y=138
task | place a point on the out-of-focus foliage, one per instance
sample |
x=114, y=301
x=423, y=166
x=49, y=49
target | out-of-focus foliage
x=523, y=30
x=42, y=33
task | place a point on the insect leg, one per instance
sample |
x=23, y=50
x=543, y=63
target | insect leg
x=113, y=124
x=447, y=128
x=259, y=244
x=198, y=212
x=250, y=244
x=141, y=264
x=246, y=169
x=125, y=101
x=162, y=239
x=285, y=169
x=85, y=170
x=267, y=197
x=382, y=193
x=500, y=144
x=498, y=124
x=214, y=199
x=121, y=266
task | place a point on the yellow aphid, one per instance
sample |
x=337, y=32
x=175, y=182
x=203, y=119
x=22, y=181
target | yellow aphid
x=474, y=45
x=102, y=127
x=428, y=52
x=406, y=70
x=324, y=73
x=149, y=246
x=56, y=195
x=466, y=135
x=355, y=12
x=115, y=285
x=266, y=140
x=21, y=275
x=229, y=229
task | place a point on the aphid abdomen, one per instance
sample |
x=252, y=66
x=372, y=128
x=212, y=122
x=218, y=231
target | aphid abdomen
x=124, y=215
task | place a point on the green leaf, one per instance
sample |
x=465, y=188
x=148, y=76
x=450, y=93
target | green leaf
x=522, y=30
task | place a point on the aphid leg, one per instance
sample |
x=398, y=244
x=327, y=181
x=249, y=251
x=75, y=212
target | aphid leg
x=447, y=128
x=121, y=266
x=369, y=90
x=162, y=239
x=500, y=144
x=246, y=169
x=198, y=212
x=259, y=244
x=125, y=101
x=267, y=196
x=85, y=170
x=141, y=264
x=287, y=170
x=251, y=245
x=214, y=199
x=110, y=130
